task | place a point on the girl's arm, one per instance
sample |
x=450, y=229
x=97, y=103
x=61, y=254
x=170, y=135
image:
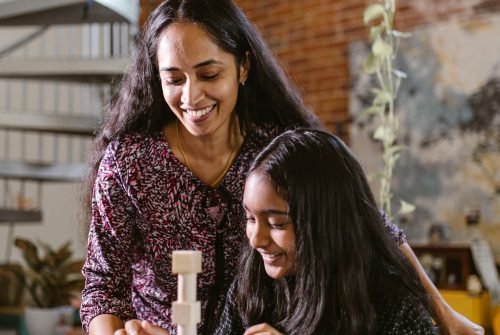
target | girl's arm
x=105, y=324
x=138, y=327
x=449, y=321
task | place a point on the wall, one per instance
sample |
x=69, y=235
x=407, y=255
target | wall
x=311, y=38
x=58, y=201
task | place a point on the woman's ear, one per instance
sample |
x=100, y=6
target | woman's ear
x=245, y=67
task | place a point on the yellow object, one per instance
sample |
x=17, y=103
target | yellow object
x=476, y=308
x=495, y=320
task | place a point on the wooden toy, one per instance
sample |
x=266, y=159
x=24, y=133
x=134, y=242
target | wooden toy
x=186, y=311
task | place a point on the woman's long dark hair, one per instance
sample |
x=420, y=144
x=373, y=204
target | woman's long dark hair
x=340, y=239
x=267, y=98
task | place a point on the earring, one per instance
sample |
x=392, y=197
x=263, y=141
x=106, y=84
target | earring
x=242, y=83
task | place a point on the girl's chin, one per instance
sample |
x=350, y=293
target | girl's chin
x=276, y=273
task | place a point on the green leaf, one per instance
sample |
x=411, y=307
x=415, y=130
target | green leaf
x=395, y=148
x=400, y=34
x=372, y=110
x=405, y=207
x=391, y=6
x=384, y=133
x=371, y=64
x=381, y=48
x=399, y=74
x=29, y=251
x=372, y=12
x=376, y=31
x=382, y=98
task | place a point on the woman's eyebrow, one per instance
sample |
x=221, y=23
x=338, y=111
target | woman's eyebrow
x=196, y=66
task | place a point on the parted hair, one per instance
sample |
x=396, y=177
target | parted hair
x=341, y=242
x=138, y=105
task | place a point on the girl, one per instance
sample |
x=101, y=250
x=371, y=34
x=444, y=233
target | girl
x=319, y=260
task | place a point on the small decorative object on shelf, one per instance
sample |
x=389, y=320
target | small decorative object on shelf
x=447, y=264
x=472, y=215
x=474, y=286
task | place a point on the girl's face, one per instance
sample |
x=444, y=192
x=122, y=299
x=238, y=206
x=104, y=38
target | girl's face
x=199, y=80
x=269, y=229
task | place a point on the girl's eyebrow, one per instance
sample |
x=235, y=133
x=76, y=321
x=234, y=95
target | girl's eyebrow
x=196, y=66
x=273, y=211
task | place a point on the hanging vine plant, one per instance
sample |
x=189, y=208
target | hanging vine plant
x=380, y=63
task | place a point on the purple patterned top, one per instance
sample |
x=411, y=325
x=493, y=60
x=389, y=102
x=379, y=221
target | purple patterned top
x=145, y=205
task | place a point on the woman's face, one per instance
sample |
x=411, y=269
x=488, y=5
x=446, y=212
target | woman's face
x=269, y=229
x=199, y=80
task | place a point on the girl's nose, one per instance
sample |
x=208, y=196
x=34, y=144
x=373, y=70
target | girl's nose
x=259, y=235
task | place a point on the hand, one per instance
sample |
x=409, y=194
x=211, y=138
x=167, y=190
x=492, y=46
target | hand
x=457, y=324
x=138, y=327
x=262, y=329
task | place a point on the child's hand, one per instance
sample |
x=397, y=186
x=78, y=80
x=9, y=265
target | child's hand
x=262, y=329
x=138, y=327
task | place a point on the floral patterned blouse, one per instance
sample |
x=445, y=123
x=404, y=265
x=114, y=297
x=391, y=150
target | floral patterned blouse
x=145, y=205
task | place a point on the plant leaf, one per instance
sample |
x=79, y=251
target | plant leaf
x=384, y=134
x=405, y=207
x=372, y=110
x=29, y=252
x=372, y=12
x=395, y=148
x=400, y=34
x=382, y=98
x=381, y=48
x=399, y=74
x=376, y=31
x=371, y=64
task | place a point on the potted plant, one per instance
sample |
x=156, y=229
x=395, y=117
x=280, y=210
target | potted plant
x=11, y=283
x=51, y=280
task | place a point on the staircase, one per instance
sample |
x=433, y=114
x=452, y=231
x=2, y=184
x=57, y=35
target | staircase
x=57, y=60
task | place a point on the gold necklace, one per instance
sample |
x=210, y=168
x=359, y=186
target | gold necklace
x=230, y=159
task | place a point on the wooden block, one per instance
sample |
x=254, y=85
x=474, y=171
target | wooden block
x=186, y=261
x=186, y=313
x=186, y=287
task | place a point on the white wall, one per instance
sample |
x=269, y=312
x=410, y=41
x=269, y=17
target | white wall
x=58, y=201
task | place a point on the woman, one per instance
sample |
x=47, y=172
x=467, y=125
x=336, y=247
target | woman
x=202, y=95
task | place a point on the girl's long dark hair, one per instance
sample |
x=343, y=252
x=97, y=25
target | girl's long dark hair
x=341, y=242
x=267, y=98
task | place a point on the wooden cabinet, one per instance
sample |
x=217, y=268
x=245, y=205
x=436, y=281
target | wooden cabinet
x=475, y=308
x=447, y=264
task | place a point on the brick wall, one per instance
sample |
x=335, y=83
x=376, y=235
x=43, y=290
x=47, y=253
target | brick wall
x=311, y=37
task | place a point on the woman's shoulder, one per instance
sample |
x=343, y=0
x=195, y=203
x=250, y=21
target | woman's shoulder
x=264, y=133
x=135, y=145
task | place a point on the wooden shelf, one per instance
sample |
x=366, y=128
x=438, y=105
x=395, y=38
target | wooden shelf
x=42, y=171
x=15, y=216
x=64, y=69
x=65, y=124
x=456, y=263
x=49, y=12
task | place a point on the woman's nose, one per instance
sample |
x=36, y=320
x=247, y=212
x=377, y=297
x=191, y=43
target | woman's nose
x=192, y=93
